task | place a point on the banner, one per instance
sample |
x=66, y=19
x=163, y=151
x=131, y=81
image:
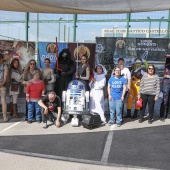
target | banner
x=48, y=50
x=22, y=50
x=110, y=49
x=80, y=49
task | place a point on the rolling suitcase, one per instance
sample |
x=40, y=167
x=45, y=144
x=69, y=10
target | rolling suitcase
x=91, y=120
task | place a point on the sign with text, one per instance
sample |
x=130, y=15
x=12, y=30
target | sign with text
x=110, y=49
x=48, y=50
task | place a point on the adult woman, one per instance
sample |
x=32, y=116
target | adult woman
x=14, y=90
x=83, y=72
x=96, y=93
x=149, y=92
x=30, y=68
x=48, y=76
x=34, y=92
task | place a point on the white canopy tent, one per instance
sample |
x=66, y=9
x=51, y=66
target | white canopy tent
x=84, y=6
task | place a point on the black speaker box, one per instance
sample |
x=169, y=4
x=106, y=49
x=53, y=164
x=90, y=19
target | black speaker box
x=90, y=121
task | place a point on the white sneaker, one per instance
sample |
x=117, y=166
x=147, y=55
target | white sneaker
x=103, y=123
x=45, y=125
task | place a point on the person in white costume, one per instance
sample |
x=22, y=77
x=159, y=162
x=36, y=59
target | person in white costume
x=96, y=92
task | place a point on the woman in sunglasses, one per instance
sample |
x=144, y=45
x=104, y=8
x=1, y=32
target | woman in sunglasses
x=149, y=92
x=27, y=75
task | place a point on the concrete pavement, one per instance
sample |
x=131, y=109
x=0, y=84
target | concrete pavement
x=103, y=157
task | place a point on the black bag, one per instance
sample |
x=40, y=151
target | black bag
x=90, y=121
x=162, y=109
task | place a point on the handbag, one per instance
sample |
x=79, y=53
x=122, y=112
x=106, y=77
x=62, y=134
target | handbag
x=139, y=103
x=14, y=87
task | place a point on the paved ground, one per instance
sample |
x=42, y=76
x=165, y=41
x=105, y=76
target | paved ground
x=131, y=146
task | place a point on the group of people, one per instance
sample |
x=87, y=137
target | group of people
x=38, y=87
x=43, y=88
x=138, y=83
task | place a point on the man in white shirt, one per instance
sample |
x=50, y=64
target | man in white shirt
x=127, y=75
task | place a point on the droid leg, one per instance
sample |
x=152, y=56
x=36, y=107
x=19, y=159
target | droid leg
x=75, y=121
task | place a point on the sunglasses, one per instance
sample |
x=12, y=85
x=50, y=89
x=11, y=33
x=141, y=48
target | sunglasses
x=32, y=64
x=150, y=69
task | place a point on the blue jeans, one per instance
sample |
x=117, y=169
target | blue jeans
x=50, y=114
x=31, y=107
x=115, y=105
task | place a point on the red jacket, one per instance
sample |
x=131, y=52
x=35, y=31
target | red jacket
x=35, y=90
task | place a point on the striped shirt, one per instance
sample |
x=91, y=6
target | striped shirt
x=150, y=85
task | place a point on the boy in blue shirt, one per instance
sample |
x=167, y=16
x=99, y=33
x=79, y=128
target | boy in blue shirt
x=116, y=93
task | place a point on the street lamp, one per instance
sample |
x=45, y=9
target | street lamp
x=8, y=19
x=149, y=25
x=93, y=35
x=59, y=29
x=114, y=30
x=160, y=24
x=127, y=29
x=19, y=32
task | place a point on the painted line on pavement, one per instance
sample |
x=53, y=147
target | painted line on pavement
x=108, y=144
x=15, y=124
x=62, y=158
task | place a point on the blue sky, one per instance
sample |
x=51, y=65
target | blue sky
x=85, y=30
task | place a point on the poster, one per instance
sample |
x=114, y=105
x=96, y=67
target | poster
x=79, y=49
x=48, y=50
x=110, y=49
x=22, y=50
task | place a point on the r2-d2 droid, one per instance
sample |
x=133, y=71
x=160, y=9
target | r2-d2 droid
x=75, y=100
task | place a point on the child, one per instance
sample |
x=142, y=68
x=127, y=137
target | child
x=33, y=95
x=116, y=93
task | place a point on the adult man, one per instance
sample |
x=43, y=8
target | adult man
x=3, y=79
x=126, y=74
x=116, y=93
x=136, y=75
x=48, y=76
x=52, y=108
